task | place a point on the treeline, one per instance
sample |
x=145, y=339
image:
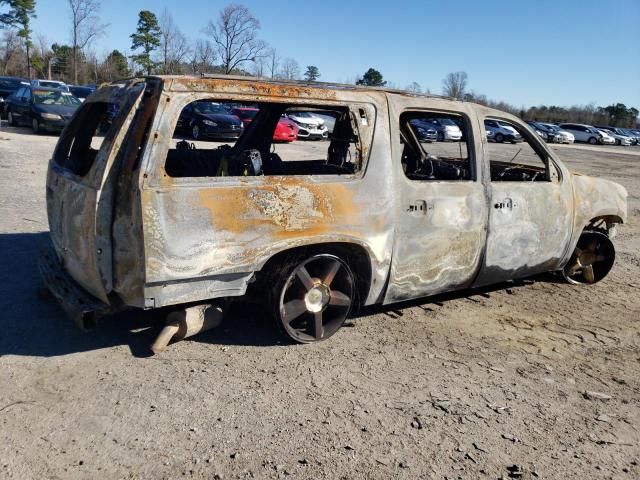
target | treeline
x=229, y=44
x=617, y=115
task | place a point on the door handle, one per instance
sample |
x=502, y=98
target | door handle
x=507, y=203
x=420, y=207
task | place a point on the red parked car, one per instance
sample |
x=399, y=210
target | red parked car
x=286, y=130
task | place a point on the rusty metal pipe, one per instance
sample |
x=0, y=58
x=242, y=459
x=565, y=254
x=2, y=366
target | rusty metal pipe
x=186, y=323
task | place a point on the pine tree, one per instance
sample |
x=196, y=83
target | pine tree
x=147, y=37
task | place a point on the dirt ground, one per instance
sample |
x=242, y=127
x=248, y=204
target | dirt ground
x=467, y=385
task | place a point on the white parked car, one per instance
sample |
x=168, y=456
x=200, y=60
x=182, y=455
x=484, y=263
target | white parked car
x=447, y=129
x=310, y=126
x=607, y=138
x=502, y=131
x=583, y=133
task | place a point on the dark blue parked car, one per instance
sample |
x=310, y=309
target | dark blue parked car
x=209, y=120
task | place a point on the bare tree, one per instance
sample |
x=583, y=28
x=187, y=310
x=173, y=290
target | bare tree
x=273, y=62
x=235, y=37
x=290, y=69
x=174, y=46
x=413, y=87
x=454, y=84
x=85, y=27
x=202, y=56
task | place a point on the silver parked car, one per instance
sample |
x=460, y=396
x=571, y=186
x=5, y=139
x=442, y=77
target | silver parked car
x=584, y=133
x=619, y=135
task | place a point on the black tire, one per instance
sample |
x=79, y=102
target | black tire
x=35, y=126
x=312, y=297
x=11, y=119
x=440, y=136
x=195, y=132
x=591, y=260
x=499, y=138
x=593, y=140
x=618, y=141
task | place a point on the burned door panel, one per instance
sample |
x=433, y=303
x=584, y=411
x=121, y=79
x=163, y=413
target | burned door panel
x=441, y=208
x=530, y=208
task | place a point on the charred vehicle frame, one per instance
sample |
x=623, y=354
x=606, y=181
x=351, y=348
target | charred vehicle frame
x=378, y=221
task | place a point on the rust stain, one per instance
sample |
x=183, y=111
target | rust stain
x=289, y=208
x=266, y=89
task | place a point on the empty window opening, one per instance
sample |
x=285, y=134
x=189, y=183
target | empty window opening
x=231, y=139
x=83, y=139
x=512, y=155
x=435, y=146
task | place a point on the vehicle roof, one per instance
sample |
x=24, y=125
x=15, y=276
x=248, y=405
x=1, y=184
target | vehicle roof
x=45, y=80
x=254, y=88
x=194, y=80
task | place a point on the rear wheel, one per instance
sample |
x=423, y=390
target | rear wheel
x=440, y=136
x=313, y=298
x=35, y=126
x=499, y=138
x=592, y=259
x=593, y=140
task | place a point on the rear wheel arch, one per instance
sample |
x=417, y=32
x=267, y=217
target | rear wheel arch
x=602, y=223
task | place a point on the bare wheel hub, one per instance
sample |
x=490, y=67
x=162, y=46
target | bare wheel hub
x=592, y=259
x=317, y=298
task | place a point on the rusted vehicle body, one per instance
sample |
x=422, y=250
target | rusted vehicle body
x=142, y=219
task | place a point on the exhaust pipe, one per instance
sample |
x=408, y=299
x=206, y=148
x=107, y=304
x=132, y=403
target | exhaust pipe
x=186, y=323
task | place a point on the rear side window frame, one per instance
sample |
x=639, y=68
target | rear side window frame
x=156, y=149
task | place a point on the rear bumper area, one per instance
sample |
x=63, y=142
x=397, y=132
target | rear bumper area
x=79, y=305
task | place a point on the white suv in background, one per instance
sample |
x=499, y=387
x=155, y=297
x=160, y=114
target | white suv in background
x=583, y=133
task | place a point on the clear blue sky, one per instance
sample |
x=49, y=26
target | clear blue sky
x=523, y=52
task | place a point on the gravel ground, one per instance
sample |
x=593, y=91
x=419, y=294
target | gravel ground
x=471, y=385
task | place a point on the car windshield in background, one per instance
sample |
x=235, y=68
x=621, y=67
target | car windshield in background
x=54, y=98
x=205, y=107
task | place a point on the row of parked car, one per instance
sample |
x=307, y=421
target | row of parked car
x=577, y=132
x=446, y=129
x=212, y=120
x=50, y=104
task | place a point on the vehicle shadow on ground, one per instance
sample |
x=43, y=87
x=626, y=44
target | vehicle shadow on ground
x=34, y=325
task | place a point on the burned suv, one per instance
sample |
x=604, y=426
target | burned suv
x=144, y=218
